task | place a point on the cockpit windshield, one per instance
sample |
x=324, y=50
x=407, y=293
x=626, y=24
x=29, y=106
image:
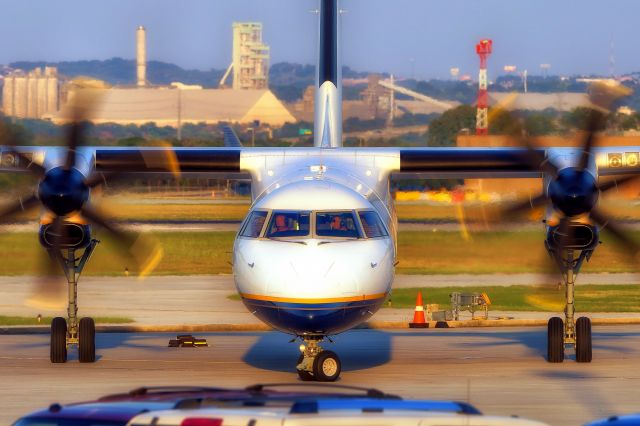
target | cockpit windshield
x=351, y=224
x=372, y=225
x=336, y=224
x=254, y=224
x=289, y=224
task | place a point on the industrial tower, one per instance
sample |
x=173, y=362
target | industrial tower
x=483, y=49
x=141, y=56
x=250, y=58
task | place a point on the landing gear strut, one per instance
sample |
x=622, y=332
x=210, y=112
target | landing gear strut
x=569, y=333
x=71, y=332
x=314, y=363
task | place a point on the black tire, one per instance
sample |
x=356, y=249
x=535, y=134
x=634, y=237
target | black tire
x=583, y=340
x=305, y=376
x=555, y=340
x=326, y=367
x=87, y=340
x=58, y=346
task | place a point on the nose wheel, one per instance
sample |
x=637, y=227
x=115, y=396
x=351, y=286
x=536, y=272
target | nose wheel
x=69, y=332
x=569, y=333
x=316, y=364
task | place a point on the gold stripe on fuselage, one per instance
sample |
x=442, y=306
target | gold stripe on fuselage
x=313, y=301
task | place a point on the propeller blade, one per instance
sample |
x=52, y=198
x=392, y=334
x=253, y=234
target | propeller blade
x=164, y=158
x=147, y=254
x=536, y=159
x=18, y=206
x=74, y=140
x=616, y=231
x=49, y=291
x=99, y=178
x=25, y=161
x=82, y=101
x=547, y=297
x=595, y=124
x=606, y=186
x=526, y=205
x=566, y=233
x=9, y=140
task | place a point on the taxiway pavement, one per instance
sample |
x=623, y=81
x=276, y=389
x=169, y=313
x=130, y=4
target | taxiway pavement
x=501, y=370
x=204, y=299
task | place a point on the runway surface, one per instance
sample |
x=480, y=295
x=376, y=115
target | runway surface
x=502, y=371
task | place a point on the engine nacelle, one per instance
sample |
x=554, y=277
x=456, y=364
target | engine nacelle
x=68, y=236
x=581, y=237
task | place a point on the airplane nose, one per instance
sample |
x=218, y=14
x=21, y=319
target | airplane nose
x=314, y=268
x=313, y=286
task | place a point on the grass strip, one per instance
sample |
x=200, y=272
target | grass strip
x=197, y=253
x=589, y=298
x=15, y=320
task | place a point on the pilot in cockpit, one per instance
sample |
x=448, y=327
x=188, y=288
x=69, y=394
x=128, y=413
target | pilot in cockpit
x=337, y=224
x=281, y=223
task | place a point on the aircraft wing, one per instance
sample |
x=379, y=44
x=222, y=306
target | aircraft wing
x=436, y=162
x=465, y=163
x=148, y=160
x=187, y=160
x=509, y=162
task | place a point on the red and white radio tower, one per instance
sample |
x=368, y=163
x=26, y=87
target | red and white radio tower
x=483, y=49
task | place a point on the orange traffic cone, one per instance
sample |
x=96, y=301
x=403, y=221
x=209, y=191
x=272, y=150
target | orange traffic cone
x=418, y=315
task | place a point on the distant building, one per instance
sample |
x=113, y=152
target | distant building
x=250, y=57
x=32, y=94
x=174, y=107
x=560, y=101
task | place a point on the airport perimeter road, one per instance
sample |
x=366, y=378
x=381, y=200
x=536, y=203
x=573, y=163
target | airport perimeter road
x=501, y=370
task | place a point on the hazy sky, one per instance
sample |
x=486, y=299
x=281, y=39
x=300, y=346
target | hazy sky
x=423, y=37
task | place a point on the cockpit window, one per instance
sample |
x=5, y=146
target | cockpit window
x=254, y=224
x=372, y=225
x=289, y=224
x=336, y=224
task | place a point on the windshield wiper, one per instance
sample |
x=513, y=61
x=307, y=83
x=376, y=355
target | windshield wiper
x=287, y=241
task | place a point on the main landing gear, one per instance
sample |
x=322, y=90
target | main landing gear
x=69, y=332
x=569, y=333
x=314, y=363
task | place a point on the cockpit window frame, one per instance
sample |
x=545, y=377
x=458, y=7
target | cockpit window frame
x=243, y=227
x=356, y=221
x=265, y=229
x=313, y=225
x=384, y=225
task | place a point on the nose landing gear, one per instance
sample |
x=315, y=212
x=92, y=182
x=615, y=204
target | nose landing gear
x=314, y=363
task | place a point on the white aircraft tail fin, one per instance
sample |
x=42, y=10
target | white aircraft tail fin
x=328, y=102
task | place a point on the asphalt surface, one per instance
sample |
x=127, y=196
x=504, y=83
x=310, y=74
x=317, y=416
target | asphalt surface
x=501, y=371
x=203, y=299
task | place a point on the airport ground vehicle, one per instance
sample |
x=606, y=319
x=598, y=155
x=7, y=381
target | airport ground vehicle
x=118, y=409
x=364, y=407
x=261, y=404
x=330, y=411
x=627, y=420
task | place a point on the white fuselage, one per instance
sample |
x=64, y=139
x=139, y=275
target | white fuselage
x=313, y=280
